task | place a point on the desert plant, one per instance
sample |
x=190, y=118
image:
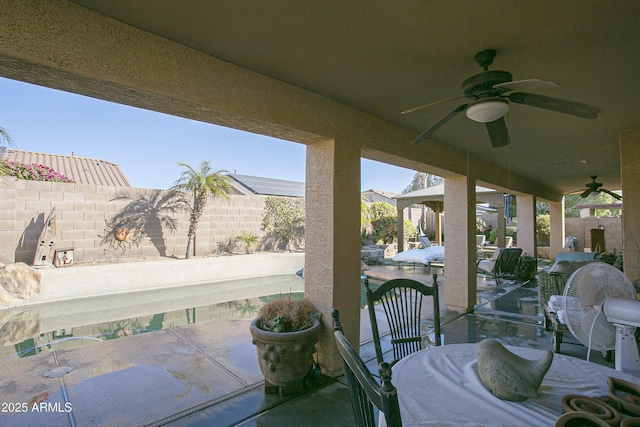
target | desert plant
x=286, y=314
x=249, y=239
x=202, y=182
x=227, y=246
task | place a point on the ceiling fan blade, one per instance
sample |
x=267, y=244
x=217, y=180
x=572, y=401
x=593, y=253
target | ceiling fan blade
x=430, y=105
x=526, y=85
x=586, y=193
x=612, y=194
x=555, y=104
x=498, y=133
x=427, y=133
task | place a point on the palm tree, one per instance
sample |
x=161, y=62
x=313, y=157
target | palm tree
x=249, y=239
x=5, y=139
x=146, y=215
x=202, y=182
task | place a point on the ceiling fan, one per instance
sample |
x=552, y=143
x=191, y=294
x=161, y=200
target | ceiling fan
x=594, y=187
x=490, y=93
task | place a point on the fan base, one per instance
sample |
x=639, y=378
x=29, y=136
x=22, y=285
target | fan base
x=482, y=84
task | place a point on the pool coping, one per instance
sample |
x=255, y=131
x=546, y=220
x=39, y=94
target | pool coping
x=106, y=279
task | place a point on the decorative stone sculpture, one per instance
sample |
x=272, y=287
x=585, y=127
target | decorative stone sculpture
x=18, y=280
x=508, y=376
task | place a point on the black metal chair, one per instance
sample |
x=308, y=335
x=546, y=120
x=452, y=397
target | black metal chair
x=364, y=390
x=402, y=301
x=502, y=265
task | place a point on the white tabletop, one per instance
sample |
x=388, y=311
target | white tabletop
x=440, y=386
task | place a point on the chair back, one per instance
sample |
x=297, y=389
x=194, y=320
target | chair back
x=481, y=239
x=364, y=391
x=426, y=243
x=402, y=301
x=507, y=262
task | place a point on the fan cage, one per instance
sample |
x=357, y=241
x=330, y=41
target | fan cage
x=609, y=281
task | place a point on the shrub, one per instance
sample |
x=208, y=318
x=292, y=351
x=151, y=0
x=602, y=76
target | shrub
x=542, y=229
x=383, y=222
x=284, y=220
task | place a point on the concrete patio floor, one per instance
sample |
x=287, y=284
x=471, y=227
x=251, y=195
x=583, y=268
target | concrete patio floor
x=206, y=374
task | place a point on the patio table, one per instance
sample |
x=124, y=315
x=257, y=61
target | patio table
x=440, y=386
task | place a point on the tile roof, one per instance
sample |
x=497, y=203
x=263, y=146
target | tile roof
x=268, y=186
x=81, y=170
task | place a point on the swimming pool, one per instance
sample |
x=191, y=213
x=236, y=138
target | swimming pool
x=29, y=330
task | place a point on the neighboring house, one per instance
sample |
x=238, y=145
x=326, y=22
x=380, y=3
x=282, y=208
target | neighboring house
x=81, y=170
x=372, y=196
x=255, y=185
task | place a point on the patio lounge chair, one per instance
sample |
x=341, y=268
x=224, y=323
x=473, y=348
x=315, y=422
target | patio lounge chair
x=502, y=264
x=364, y=390
x=402, y=301
x=424, y=240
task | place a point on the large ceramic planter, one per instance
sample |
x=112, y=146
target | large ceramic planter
x=285, y=358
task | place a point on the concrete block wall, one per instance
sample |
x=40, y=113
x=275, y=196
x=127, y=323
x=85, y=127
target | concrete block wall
x=581, y=228
x=81, y=212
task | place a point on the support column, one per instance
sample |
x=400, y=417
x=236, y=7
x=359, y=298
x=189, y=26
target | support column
x=437, y=207
x=501, y=239
x=527, y=224
x=400, y=209
x=556, y=228
x=629, y=161
x=497, y=201
x=460, y=243
x=332, y=243
x=438, y=222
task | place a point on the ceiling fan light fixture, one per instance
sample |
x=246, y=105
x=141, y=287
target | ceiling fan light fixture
x=487, y=110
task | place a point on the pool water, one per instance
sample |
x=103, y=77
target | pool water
x=29, y=330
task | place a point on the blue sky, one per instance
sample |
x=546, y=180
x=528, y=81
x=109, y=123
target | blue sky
x=148, y=145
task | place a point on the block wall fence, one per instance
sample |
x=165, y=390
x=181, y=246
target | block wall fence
x=82, y=209
x=581, y=228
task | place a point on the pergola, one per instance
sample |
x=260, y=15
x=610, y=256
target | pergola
x=433, y=197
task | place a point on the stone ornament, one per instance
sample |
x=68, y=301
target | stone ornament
x=509, y=376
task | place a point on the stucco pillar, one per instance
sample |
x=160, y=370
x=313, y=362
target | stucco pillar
x=437, y=207
x=629, y=161
x=460, y=243
x=332, y=243
x=527, y=224
x=438, y=222
x=400, y=228
x=556, y=228
x=501, y=223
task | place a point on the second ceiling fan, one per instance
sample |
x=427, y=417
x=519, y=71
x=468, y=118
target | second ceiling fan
x=490, y=93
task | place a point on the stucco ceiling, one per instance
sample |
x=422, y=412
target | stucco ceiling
x=383, y=57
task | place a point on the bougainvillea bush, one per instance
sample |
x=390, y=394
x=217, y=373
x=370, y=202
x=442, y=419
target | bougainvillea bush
x=33, y=172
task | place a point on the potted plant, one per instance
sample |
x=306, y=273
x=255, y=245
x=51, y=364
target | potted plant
x=285, y=335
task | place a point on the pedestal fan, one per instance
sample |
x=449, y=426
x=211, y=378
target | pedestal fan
x=610, y=313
